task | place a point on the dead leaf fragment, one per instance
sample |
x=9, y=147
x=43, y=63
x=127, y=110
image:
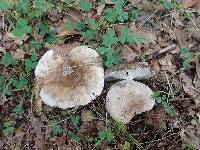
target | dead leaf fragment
x=87, y=115
x=151, y=38
x=191, y=134
x=18, y=54
x=196, y=34
x=181, y=37
x=100, y=9
x=2, y=99
x=189, y=3
x=128, y=54
x=167, y=63
x=190, y=89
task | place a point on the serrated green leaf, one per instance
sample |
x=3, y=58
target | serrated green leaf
x=22, y=27
x=21, y=83
x=41, y=5
x=110, y=38
x=5, y=5
x=74, y=136
x=80, y=26
x=56, y=127
x=29, y=65
x=19, y=110
x=8, y=59
x=102, y=134
x=110, y=15
x=85, y=5
x=8, y=128
x=88, y=34
x=92, y=23
x=135, y=14
x=23, y=6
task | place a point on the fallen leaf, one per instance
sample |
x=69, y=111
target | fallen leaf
x=109, y=2
x=195, y=34
x=18, y=54
x=151, y=38
x=181, y=37
x=191, y=135
x=189, y=88
x=189, y=3
x=128, y=54
x=167, y=63
x=2, y=49
x=87, y=115
x=17, y=40
x=100, y=9
x=2, y=99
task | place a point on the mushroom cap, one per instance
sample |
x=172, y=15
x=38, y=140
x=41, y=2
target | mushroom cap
x=69, y=78
x=127, y=98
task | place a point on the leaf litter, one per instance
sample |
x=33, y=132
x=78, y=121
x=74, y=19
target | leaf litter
x=162, y=27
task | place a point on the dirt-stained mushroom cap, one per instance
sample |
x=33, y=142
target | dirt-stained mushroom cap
x=69, y=78
x=127, y=98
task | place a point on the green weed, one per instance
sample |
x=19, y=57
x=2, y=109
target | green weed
x=163, y=100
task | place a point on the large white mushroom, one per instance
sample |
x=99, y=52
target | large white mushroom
x=127, y=98
x=69, y=77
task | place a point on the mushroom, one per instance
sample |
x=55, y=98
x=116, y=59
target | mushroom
x=127, y=98
x=132, y=71
x=69, y=77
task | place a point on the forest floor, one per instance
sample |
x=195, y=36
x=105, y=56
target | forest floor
x=165, y=34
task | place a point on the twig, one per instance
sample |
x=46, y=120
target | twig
x=162, y=51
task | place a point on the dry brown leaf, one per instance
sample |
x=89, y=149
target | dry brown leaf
x=196, y=34
x=181, y=37
x=100, y=9
x=2, y=49
x=191, y=135
x=189, y=3
x=109, y=2
x=167, y=63
x=87, y=115
x=18, y=54
x=190, y=89
x=17, y=40
x=128, y=54
x=151, y=38
x=2, y=99
x=74, y=15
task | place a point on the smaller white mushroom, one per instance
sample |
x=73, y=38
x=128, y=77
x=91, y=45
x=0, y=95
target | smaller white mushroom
x=137, y=71
x=127, y=98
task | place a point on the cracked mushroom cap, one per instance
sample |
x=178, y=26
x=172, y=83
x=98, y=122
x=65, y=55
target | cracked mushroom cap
x=127, y=98
x=69, y=78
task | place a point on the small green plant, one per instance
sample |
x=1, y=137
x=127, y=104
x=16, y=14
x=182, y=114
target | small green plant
x=85, y=5
x=19, y=110
x=8, y=128
x=126, y=146
x=117, y=13
x=168, y=5
x=21, y=83
x=56, y=127
x=162, y=99
x=8, y=60
x=22, y=27
x=190, y=147
x=187, y=58
x=31, y=63
x=104, y=135
x=74, y=136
